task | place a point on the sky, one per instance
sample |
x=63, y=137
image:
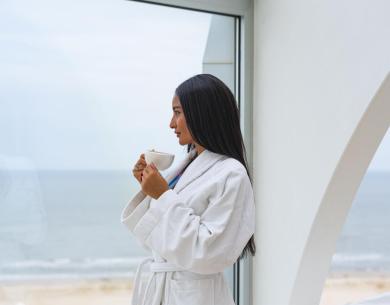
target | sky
x=88, y=85
x=381, y=159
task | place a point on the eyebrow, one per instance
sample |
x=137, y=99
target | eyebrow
x=176, y=107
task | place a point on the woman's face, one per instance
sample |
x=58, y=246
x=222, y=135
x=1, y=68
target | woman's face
x=178, y=123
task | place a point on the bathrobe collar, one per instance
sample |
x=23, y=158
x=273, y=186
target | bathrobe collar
x=202, y=163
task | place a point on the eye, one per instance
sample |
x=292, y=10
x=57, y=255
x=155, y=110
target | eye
x=176, y=112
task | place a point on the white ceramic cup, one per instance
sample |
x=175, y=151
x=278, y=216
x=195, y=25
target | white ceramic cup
x=160, y=159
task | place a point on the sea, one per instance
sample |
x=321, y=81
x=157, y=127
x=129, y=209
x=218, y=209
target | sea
x=66, y=225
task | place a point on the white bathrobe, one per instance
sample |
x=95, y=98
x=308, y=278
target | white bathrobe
x=194, y=232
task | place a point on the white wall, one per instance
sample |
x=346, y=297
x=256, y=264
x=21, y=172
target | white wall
x=317, y=67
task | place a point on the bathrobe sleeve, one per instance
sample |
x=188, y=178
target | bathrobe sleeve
x=206, y=243
x=136, y=208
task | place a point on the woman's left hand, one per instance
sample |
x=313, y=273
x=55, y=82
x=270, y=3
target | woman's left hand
x=153, y=184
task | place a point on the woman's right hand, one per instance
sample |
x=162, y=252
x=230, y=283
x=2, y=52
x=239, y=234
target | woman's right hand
x=139, y=168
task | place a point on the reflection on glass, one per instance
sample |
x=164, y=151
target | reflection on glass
x=85, y=88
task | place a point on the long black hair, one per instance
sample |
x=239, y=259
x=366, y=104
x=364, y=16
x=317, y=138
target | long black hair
x=213, y=121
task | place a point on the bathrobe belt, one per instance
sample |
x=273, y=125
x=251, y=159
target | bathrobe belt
x=155, y=289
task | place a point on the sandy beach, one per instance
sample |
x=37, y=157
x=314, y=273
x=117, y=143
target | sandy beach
x=339, y=289
x=80, y=292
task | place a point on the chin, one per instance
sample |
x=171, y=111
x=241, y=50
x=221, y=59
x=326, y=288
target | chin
x=183, y=142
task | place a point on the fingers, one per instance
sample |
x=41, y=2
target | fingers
x=147, y=174
x=139, y=168
x=139, y=178
x=150, y=169
x=147, y=170
x=141, y=162
x=137, y=174
x=140, y=165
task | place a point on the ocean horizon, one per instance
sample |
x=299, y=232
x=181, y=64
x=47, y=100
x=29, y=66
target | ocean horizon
x=66, y=225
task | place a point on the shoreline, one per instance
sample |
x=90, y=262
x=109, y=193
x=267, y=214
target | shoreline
x=340, y=288
x=360, y=274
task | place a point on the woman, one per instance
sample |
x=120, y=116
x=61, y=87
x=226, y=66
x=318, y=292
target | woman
x=199, y=219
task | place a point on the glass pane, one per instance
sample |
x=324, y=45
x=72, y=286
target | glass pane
x=360, y=267
x=85, y=88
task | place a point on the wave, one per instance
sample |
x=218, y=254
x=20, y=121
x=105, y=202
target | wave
x=66, y=268
x=342, y=258
x=366, y=262
x=66, y=262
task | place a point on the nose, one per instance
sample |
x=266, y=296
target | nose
x=172, y=124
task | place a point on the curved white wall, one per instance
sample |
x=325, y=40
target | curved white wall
x=317, y=68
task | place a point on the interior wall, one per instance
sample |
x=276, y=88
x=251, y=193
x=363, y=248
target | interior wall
x=316, y=126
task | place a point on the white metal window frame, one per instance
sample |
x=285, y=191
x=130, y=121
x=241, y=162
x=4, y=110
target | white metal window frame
x=243, y=9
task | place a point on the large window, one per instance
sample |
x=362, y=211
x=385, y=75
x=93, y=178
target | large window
x=85, y=88
x=360, y=267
